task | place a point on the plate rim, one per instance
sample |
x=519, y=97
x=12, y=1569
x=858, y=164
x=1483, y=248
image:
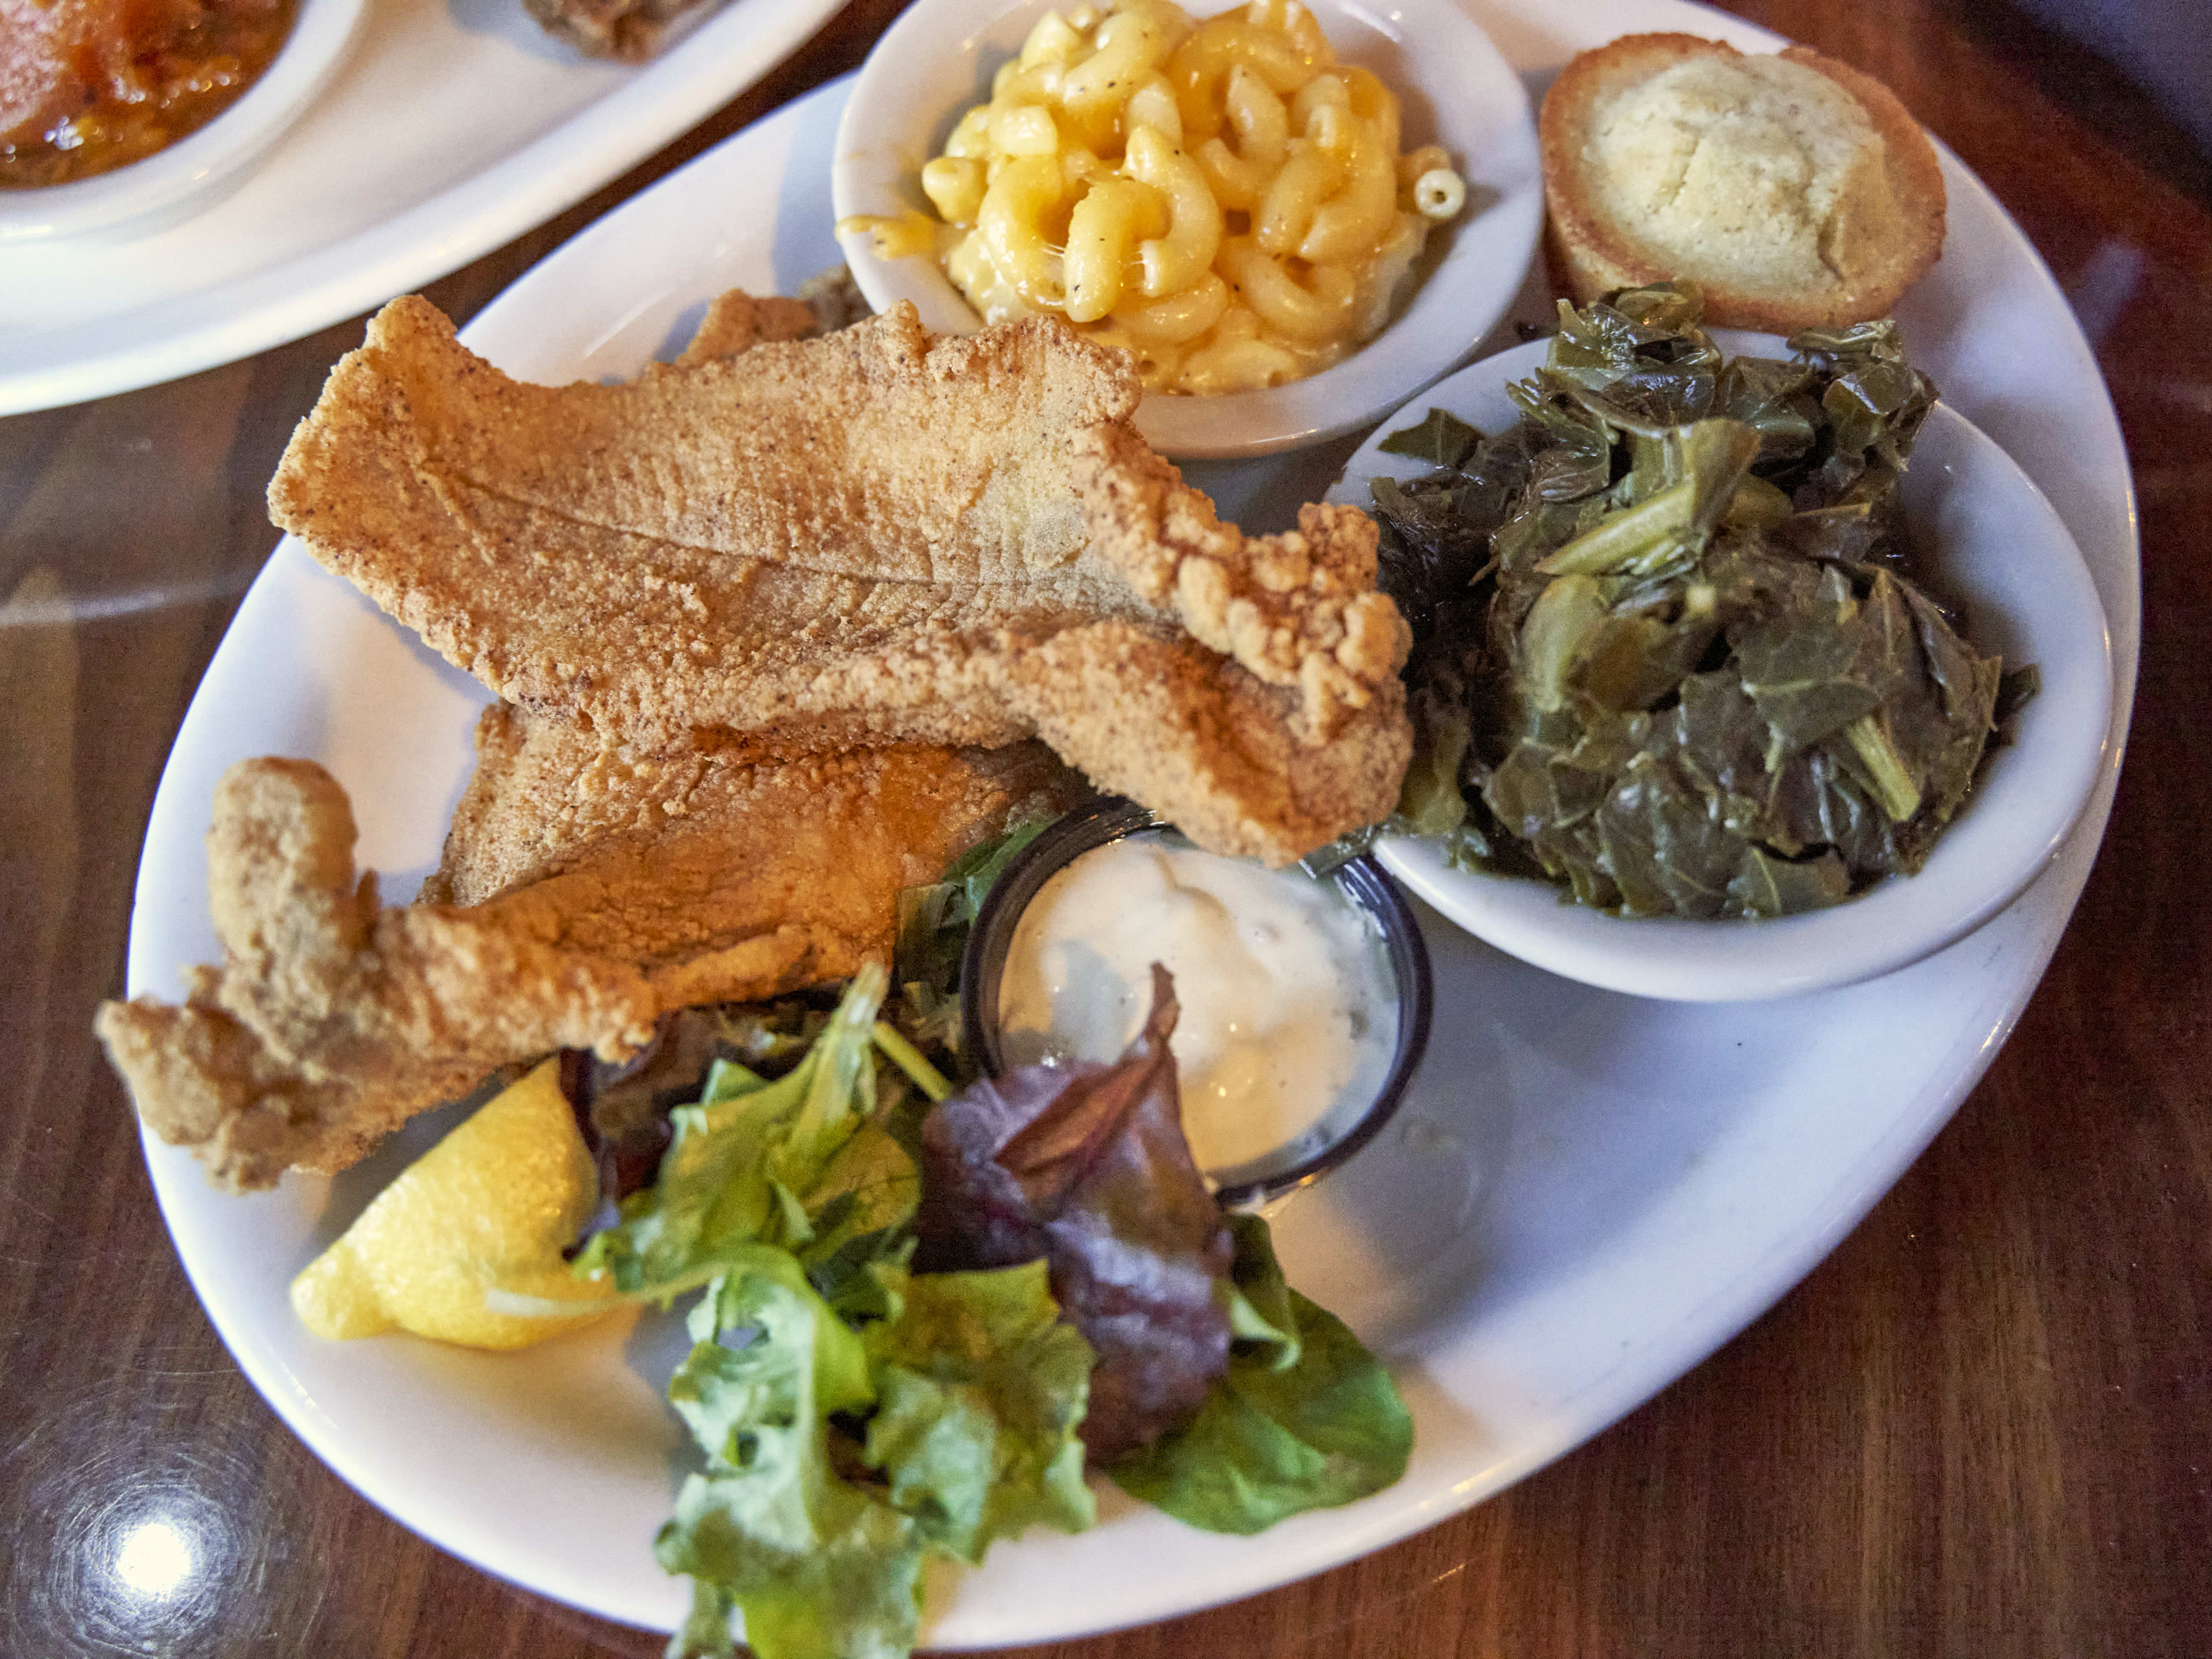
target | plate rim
x=725, y=55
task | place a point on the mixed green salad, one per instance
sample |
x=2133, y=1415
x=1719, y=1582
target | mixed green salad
x=1670, y=649
x=923, y=1310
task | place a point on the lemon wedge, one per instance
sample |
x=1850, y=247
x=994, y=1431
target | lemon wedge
x=465, y=1245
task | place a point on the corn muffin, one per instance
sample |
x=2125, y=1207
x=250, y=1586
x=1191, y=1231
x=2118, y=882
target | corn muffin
x=1794, y=190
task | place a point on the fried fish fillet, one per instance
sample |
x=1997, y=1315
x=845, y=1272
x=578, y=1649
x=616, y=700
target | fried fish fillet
x=736, y=322
x=664, y=859
x=875, y=537
x=617, y=887
x=332, y=1020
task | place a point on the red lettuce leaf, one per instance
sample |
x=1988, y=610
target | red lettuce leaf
x=1086, y=1166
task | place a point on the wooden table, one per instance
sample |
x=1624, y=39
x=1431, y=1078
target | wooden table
x=1982, y=1428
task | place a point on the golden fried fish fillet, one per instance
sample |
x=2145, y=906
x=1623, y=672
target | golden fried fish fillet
x=736, y=322
x=617, y=887
x=660, y=858
x=331, y=1020
x=874, y=537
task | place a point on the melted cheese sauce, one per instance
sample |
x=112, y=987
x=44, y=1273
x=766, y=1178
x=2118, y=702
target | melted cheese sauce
x=1289, y=1016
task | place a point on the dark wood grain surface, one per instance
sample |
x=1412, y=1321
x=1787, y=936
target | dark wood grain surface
x=1982, y=1428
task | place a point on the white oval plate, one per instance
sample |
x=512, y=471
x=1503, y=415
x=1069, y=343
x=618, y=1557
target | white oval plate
x=1585, y=1195
x=165, y=181
x=2003, y=554
x=451, y=127
x=1455, y=90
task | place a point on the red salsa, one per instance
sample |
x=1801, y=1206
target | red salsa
x=87, y=86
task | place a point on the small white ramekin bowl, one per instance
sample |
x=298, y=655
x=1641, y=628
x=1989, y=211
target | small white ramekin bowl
x=167, y=180
x=2006, y=559
x=936, y=61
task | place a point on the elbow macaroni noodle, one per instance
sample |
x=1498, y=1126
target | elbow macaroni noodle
x=1222, y=199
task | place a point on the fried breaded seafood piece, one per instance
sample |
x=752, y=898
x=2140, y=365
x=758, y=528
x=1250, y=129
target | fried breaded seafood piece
x=332, y=1020
x=617, y=887
x=1169, y=723
x=1299, y=609
x=736, y=322
x=627, y=30
x=667, y=858
x=875, y=537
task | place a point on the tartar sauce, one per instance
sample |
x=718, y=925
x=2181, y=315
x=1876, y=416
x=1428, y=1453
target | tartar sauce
x=1288, y=1002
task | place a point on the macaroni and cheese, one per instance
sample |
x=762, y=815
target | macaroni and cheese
x=1222, y=200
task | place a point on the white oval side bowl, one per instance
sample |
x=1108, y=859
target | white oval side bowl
x=936, y=61
x=167, y=179
x=2004, y=556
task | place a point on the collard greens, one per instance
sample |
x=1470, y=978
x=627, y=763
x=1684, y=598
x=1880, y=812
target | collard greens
x=1667, y=651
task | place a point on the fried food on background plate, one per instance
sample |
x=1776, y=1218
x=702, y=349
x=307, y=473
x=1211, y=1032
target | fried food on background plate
x=874, y=537
x=629, y=31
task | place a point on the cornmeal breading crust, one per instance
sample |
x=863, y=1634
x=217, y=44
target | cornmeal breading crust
x=657, y=857
x=874, y=537
x=736, y=322
x=331, y=1021
x=616, y=888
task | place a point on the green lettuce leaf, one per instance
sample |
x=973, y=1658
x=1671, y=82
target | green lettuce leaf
x=819, y=1567
x=859, y=1212
x=1304, y=1419
x=982, y=1390
x=933, y=929
x=753, y=1161
x=792, y=1202
x=1086, y=1167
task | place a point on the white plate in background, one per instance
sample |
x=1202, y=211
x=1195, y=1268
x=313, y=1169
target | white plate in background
x=451, y=127
x=167, y=181
x=1585, y=1195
